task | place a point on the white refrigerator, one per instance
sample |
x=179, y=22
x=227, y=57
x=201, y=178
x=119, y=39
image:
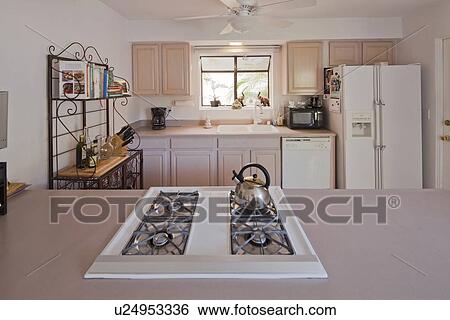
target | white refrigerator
x=376, y=112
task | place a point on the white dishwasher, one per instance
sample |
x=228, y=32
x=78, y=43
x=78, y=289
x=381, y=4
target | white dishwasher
x=306, y=163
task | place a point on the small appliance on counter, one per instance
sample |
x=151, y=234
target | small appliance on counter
x=3, y=188
x=307, y=116
x=159, y=116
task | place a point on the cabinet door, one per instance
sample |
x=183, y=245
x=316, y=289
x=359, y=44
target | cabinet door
x=146, y=69
x=305, y=71
x=194, y=168
x=176, y=69
x=345, y=52
x=271, y=160
x=378, y=51
x=230, y=160
x=156, y=168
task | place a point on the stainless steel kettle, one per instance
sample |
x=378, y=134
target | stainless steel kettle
x=251, y=192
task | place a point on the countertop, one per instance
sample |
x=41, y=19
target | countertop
x=408, y=258
x=200, y=131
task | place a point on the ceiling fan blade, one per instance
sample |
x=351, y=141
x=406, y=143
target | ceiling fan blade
x=228, y=29
x=285, y=5
x=200, y=17
x=276, y=22
x=231, y=4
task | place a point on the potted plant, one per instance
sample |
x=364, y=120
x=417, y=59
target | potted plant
x=215, y=102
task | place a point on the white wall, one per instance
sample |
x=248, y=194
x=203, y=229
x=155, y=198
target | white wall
x=421, y=49
x=24, y=73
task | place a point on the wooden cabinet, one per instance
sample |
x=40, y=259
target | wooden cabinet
x=194, y=168
x=156, y=168
x=361, y=52
x=235, y=154
x=271, y=160
x=146, y=69
x=176, y=69
x=345, y=52
x=304, y=68
x=378, y=51
x=161, y=68
x=228, y=161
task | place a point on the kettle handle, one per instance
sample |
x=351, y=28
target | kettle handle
x=240, y=175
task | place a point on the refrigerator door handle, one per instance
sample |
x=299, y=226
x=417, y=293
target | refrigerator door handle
x=381, y=178
x=375, y=86
x=376, y=168
x=380, y=91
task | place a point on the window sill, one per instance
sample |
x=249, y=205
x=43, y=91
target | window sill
x=229, y=108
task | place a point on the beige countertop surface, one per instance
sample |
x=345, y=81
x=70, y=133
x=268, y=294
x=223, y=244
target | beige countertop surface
x=409, y=258
x=200, y=131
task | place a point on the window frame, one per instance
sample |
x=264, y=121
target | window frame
x=235, y=73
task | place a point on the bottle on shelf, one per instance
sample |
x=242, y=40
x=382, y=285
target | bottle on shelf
x=91, y=155
x=81, y=151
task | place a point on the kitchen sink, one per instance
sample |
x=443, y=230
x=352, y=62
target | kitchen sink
x=247, y=128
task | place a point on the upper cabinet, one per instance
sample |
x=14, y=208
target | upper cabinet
x=361, y=52
x=146, y=69
x=176, y=67
x=378, y=51
x=304, y=68
x=345, y=52
x=161, y=68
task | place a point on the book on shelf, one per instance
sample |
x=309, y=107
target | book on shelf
x=84, y=80
x=72, y=79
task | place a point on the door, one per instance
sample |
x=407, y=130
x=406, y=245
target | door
x=156, y=168
x=230, y=160
x=146, y=69
x=345, y=52
x=401, y=127
x=193, y=168
x=446, y=144
x=305, y=71
x=358, y=107
x=271, y=160
x=176, y=69
x=378, y=51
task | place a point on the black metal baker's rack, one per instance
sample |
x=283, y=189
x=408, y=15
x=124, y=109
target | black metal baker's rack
x=62, y=112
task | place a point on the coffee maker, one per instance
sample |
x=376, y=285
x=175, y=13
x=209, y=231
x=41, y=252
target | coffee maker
x=159, y=116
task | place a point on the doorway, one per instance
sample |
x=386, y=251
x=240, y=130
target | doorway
x=445, y=182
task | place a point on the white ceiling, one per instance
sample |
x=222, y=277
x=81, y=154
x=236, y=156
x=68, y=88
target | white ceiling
x=168, y=9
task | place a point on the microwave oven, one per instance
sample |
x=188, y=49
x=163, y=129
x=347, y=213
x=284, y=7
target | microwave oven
x=305, y=118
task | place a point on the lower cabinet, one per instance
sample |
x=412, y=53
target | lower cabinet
x=193, y=168
x=230, y=160
x=183, y=162
x=271, y=160
x=156, y=168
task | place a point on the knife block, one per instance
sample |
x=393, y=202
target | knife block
x=119, y=150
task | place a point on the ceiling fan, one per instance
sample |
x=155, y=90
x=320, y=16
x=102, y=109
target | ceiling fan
x=243, y=14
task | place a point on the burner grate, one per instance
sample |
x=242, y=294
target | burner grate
x=259, y=236
x=165, y=228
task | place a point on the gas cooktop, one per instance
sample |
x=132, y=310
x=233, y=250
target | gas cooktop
x=202, y=233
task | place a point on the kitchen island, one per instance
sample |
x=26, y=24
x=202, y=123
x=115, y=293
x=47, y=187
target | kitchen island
x=407, y=258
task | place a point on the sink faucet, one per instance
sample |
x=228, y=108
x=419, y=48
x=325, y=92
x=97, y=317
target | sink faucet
x=257, y=113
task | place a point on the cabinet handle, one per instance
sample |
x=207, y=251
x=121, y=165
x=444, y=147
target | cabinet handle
x=447, y=122
x=445, y=138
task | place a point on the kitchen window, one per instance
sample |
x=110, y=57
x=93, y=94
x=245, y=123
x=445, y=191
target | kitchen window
x=225, y=78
